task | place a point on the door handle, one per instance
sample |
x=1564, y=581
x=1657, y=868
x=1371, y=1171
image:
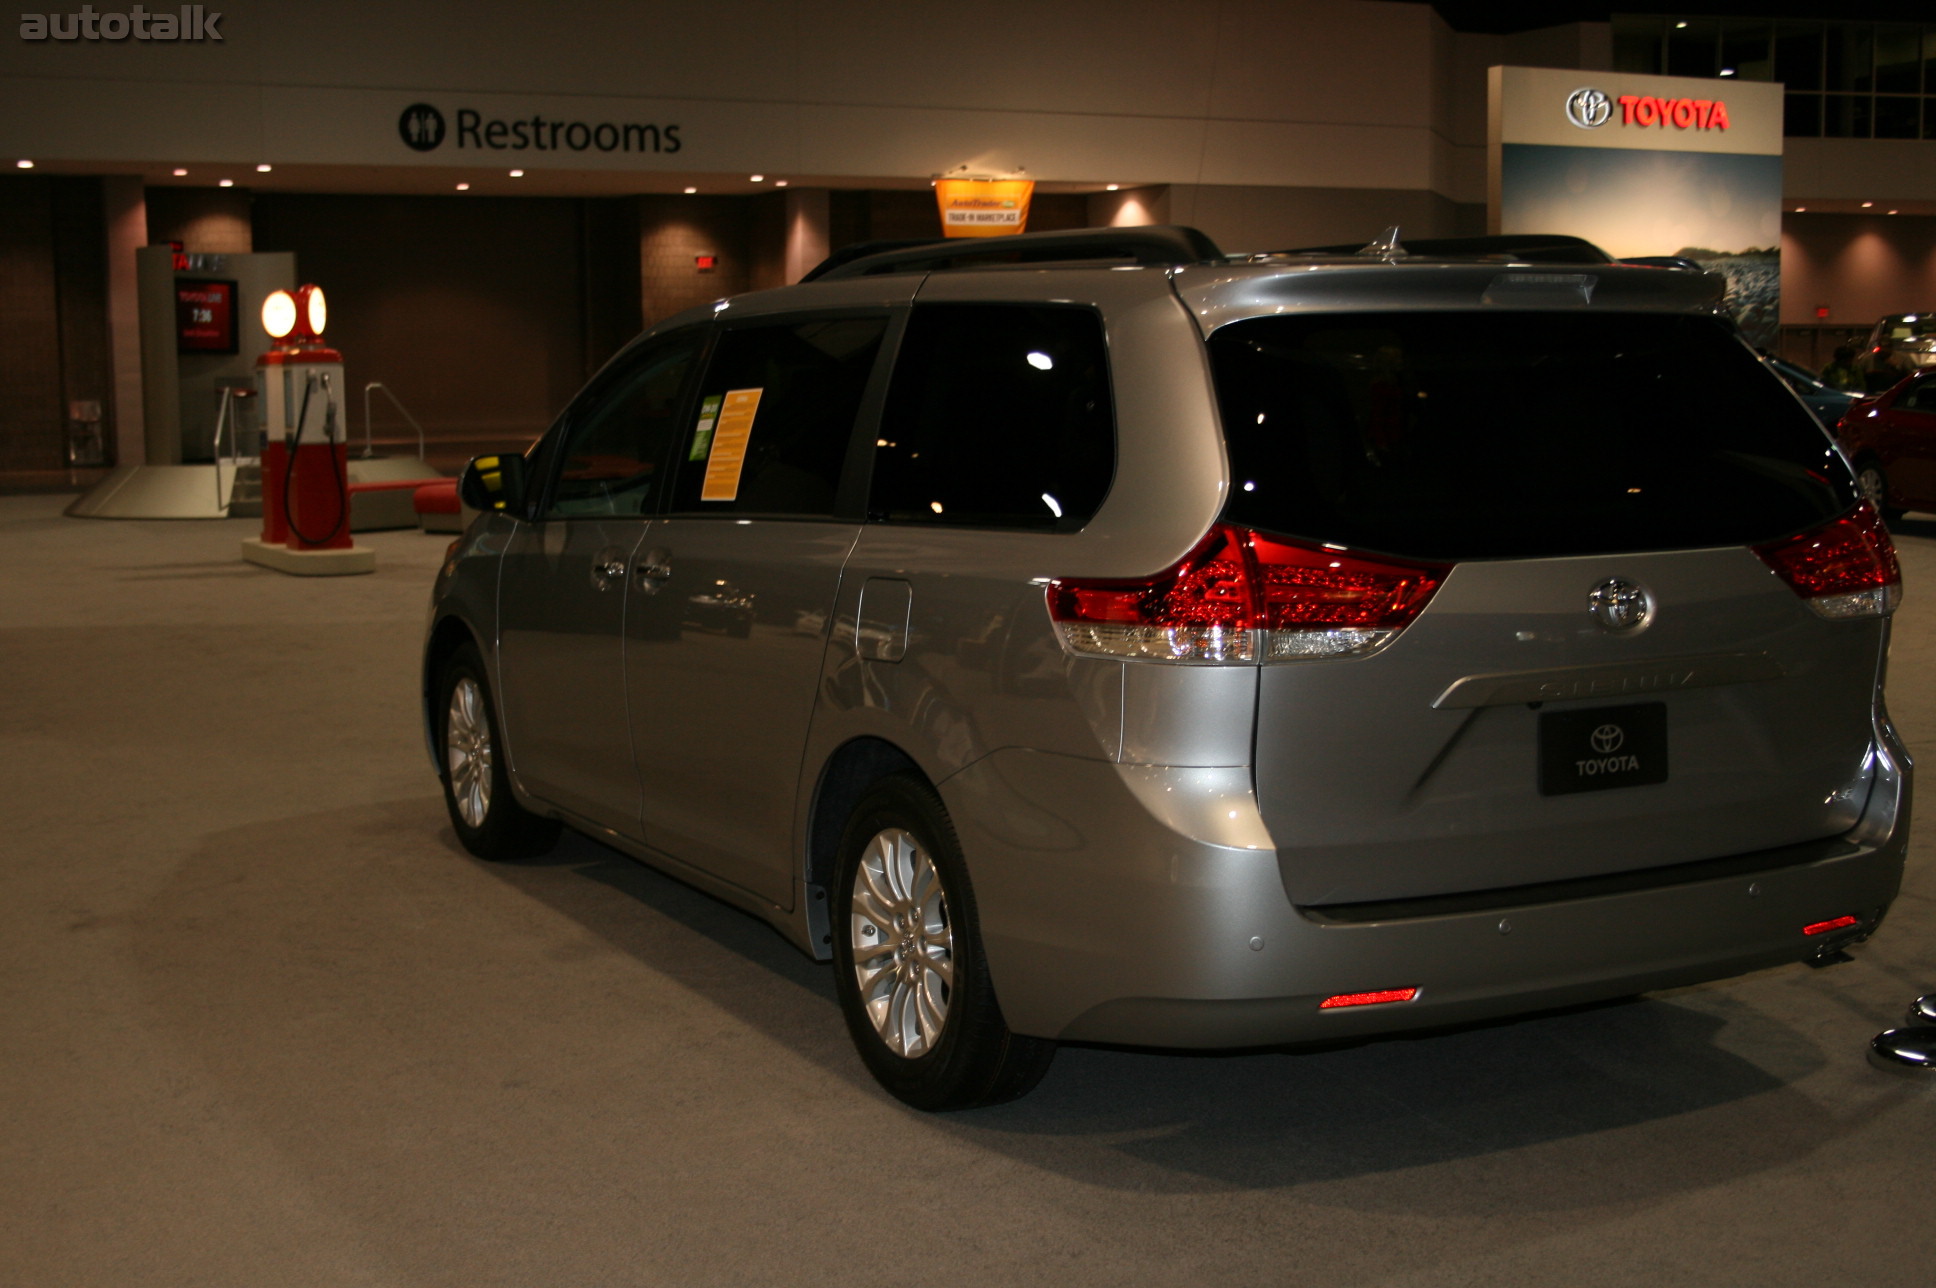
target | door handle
x=608, y=568
x=654, y=569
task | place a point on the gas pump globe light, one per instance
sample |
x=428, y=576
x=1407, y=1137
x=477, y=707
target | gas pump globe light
x=279, y=314
x=315, y=309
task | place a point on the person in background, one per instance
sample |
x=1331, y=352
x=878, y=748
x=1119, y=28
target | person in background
x=1841, y=372
x=1884, y=368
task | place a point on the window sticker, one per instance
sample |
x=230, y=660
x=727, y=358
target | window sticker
x=702, y=434
x=728, y=453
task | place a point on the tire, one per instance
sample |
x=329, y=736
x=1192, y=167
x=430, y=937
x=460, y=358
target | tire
x=477, y=789
x=1874, y=485
x=908, y=962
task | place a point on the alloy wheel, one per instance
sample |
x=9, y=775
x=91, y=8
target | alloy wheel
x=467, y=751
x=903, y=943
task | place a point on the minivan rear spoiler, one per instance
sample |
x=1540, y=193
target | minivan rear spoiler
x=1162, y=244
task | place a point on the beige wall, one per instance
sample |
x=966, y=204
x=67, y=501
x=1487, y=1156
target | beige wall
x=1861, y=266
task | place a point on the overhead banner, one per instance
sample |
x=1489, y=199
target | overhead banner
x=1647, y=165
x=983, y=207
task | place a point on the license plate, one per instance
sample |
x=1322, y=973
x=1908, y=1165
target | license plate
x=1602, y=748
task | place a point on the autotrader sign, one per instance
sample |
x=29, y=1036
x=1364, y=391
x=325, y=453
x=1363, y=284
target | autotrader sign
x=424, y=128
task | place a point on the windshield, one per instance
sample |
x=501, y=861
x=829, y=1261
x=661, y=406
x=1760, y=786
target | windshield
x=1444, y=435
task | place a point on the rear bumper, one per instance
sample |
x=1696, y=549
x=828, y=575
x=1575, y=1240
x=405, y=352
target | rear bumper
x=1158, y=916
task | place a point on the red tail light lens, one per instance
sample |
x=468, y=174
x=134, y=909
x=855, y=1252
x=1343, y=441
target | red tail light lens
x=1845, y=568
x=1242, y=596
x=1833, y=923
x=1378, y=998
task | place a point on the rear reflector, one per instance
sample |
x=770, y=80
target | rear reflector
x=1845, y=568
x=1368, y=999
x=1838, y=923
x=1244, y=596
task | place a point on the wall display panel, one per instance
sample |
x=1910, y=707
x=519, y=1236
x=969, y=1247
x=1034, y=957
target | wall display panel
x=1647, y=165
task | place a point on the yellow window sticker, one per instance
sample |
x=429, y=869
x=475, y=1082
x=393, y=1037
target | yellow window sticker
x=702, y=433
x=727, y=455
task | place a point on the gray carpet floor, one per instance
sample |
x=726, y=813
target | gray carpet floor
x=264, y=1024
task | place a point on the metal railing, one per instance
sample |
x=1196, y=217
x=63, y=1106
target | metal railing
x=369, y=432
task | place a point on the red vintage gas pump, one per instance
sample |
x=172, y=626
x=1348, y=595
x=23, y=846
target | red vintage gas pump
x=305, y=451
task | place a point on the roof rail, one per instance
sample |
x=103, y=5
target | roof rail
x=1148, y=245
x=1529, y=248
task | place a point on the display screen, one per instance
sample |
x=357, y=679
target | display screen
x=205, y=317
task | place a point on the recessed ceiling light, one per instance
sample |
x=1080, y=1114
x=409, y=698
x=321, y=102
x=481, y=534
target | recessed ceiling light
x=690, y=190
x=226, y=183
x=1680, y=26
x=1727, y=71
x=1867, y=204
x=463, y=187
x=517, y=174
x=779, y=183
x=180, y=172
x=1799, y=209
x=264, y=169
x=1112, y=187
x=24, y=164
x=757, y=178
x=1892, y=212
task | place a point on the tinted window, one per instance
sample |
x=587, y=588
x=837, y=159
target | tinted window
x=775, y=417
x=997, y=415
x=1502, y=435
x=619, y=434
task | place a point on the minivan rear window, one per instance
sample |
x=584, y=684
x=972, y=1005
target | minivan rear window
x=1446, y=435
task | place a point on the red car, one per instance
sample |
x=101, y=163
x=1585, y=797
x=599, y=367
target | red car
x=1891, y=438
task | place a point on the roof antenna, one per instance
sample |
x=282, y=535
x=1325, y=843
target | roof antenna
x=1386, y=243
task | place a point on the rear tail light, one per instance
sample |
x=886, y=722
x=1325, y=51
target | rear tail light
x=1845, y=568
x=1243, y=596
x=1833, y=923
x=1378, y=998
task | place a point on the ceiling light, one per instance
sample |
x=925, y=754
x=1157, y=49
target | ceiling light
x=692, y=190
x=180, y=172
x=1892, y=212
x=779, y=183
x=264, y=169
x=1112, y=187
x=1680, y=26
x=463, y=187
x=1867, y=204
x=1727, y=71
x=24, y=164
x=517, y=174
x=1799, y=209
x=225, y=183
x=757, y=178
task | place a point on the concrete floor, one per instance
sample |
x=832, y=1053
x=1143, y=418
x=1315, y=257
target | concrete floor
x=263, y=1023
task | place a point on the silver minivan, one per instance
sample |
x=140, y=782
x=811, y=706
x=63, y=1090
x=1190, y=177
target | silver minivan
x=1093, y=637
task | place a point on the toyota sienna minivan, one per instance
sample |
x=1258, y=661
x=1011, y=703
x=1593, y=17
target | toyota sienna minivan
x=1094, y=637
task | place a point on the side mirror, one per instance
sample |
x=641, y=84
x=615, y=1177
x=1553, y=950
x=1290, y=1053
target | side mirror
x=494, y=483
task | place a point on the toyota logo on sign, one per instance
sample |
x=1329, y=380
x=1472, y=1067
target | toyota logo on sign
x=1589, y=108
x=1607, y=739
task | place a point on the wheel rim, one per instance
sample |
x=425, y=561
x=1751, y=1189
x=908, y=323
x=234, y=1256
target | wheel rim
x=467, y=750
x=1870, y=480
x=903, y=943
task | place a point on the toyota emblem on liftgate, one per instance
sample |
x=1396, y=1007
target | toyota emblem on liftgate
x=1619, y=604
x=1589, y=108
x=1607, y=739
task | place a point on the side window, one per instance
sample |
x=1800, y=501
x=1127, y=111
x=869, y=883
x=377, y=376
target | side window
x=618, y=437
x=998, y=415
x=775, y=417
x=1921, y=397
